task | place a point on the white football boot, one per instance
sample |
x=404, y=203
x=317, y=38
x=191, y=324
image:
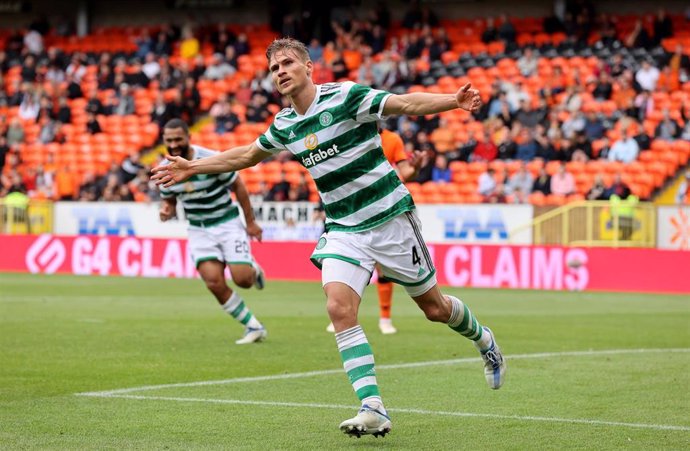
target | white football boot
x=368, y=421
x=494, y=363
x=252, y=335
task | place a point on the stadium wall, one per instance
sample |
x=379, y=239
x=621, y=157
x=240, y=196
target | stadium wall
x=482, y=266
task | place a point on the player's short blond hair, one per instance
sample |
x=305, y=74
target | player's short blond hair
x=287, y=44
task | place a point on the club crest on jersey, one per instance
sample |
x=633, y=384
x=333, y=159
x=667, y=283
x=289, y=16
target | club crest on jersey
x=311, y=141
x=325, y=118
x=322, y=243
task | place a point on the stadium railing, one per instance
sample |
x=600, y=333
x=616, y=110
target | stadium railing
x=595, y=223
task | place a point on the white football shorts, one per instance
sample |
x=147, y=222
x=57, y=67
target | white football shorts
x=397, y=246
x=226, y=242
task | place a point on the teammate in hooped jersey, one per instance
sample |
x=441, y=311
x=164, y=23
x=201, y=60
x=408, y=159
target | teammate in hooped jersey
x=217, y=236
x=370, y=214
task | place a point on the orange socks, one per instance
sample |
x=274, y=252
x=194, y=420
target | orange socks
x=385, y=299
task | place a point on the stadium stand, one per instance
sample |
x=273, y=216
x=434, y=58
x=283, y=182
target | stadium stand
x=607, y=94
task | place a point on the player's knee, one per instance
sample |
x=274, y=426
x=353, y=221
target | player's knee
x=216, y=284
x=244, y=280
x=433, y=312
x=339, y=308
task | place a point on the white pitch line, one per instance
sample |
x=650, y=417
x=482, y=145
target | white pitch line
x=543, y=355
x=661, y=427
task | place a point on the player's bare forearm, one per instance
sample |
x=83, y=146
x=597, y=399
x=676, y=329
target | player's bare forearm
x=229, y=161
x=242, y=195
x=422, y=103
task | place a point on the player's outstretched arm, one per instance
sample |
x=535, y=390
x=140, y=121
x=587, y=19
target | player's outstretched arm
x=180, y=169
x=421, y=103
x=253, y=229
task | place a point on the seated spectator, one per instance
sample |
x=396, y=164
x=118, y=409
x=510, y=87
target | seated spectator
x=219, y=69
x=441, y=172
x=542, y=183
x=486, y=183
x=129, y=168
x=506, y=31
x=527, y=63
x=15, y=132
x=573, y=125
x=582, y=148
x=527, y=116
x=562, y=182
x=617, y=188
x=92, y=124
x=490, y=33
x=89, y=190
x=257, y=110
x=598, y=190
x=48, y=132
x=225, y=119
x=647, y=76
x=124, y=102
x=594, y=127
x=625, y=149
x=280, y=191
x=603, y=88
x=29, y=108
x=485, y=150
x=528, y=147
x=497, y=196
x=521, y=182
x=299, y=192
x=189, y=47
x=668, y=129
x=151, y=67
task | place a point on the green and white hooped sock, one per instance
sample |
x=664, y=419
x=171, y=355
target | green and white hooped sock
x=465, y=323
x=358, y=361
x=236, y=308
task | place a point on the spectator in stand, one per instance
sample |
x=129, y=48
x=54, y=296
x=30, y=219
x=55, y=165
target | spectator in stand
x=582, y=148
x=562, y=182
x=485, y=150
x=225, y=119
x=521, y=182
x=604, y=88
x=647, y=76
x=280, y=191
x=4, y=150
x=638, y=37
x=572, y=101
x=441, y=173
x=28, y=71
x=64, y=112
x=598, y=190
x=93, y=104
x=663, y=27
x=191, y=100
x=527, y=63
x=506, y=31
x=76, y=68
x=542, y=183
x=486, y=184
x=618, y=188
x=242, y=45
x=125, y=101
x=189, y=47
x=89, y=190
x=299, y=192
x=668, y=129
x=33, y=42
x=257, y=110
x=151, y=67
x=625, y=149
x=528, y=147
x=15, y=132
x=130, y=168
x=490, y=33
x=162, y=46
x=594, y=127
x=29, y=108
x=92, y=124
x=573, y=125
x=315, y=51
x=48, y=131
x=498, y=195
x=219, y=69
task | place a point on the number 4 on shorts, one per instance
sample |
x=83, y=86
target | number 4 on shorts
x=415, y=256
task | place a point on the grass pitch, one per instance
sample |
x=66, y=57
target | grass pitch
x=586, y=371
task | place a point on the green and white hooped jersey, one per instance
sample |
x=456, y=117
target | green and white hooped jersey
x=205, y=197
x=337, y=140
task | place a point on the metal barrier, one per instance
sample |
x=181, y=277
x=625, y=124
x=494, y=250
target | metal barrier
x=595, y=223
x=34, y=218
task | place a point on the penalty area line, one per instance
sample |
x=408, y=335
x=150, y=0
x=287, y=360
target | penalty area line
x=527, y=418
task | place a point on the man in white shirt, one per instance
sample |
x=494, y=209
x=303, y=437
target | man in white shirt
x=625, y=149
x=647, y=76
